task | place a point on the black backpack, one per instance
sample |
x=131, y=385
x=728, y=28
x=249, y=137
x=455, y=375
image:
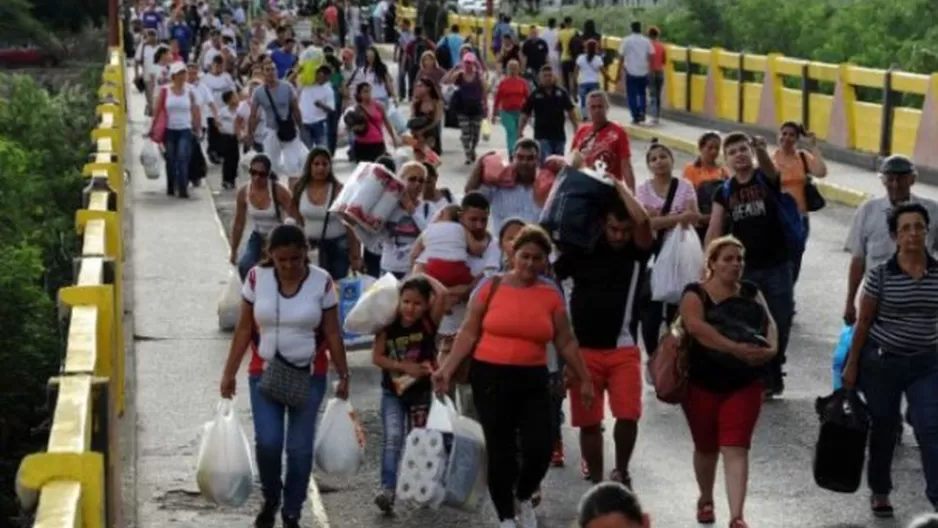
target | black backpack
x=577, y=45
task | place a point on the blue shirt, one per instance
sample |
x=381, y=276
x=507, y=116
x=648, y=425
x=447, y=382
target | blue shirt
x=283, y=61
x=453, y=42
x=151, y=20
x=183, y=35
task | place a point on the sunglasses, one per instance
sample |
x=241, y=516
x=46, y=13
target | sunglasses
x=260, y=173
x=416, y=180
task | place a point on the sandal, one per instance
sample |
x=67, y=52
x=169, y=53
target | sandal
x=705, y=512
x=738, y=523
x=881, y=507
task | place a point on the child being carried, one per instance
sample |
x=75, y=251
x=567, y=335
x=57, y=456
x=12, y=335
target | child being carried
x=442, y=250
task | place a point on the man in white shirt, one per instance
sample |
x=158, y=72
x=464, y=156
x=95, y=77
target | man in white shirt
x=635, y=55
x=316, y=103
x=377, y=20
x=549, y=36
x=144, y=60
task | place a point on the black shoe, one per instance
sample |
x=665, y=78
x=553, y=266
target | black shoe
x=268, y=515
x=291, y=522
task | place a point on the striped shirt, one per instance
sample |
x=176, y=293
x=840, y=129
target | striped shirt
x=907, y=308
x=509, y=202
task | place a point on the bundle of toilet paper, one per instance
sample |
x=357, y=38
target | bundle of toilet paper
x=444, y=469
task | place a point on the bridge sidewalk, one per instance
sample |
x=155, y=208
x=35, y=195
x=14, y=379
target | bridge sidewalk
x=180, y=269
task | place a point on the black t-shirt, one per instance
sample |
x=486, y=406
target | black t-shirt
x=535, y=50
x=549, y=108
x=752, y=211
x=415, y=343
x=602, y=290
x=718, y=371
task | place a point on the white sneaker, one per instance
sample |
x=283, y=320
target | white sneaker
x=526, y=518
x=508, y=523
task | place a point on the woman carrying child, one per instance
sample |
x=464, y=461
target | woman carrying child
x=405, y=351
x=442, y=250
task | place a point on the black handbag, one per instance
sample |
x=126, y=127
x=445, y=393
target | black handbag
x=283, y=382
x=286, y=129
x=814, y=200
x=841, y=445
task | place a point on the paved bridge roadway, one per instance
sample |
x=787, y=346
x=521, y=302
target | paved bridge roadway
x=179, y=269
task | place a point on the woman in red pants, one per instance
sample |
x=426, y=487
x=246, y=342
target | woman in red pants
x=725, y=393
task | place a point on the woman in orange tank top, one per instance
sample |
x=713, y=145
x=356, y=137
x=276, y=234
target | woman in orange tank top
x=706, y=175
x=512, y=317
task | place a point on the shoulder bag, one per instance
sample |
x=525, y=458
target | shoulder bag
x=462, y=372
x=814, y=200
x=286, y=129
x=669, y=365
x=282, y=381
x=314, y=243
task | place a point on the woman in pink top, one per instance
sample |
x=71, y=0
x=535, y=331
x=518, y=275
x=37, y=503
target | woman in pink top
x=369, y=143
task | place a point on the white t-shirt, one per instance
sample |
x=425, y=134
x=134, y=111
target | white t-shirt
x=550, y=37
x=179, y=109
x=487, y=264
x=309, y=95
x=401, y=234
x=444, y=241
x=218, y=85
x=226, y=116
x=203, y=96
x=209, y=57
x=146, y=56
x=244, y=112
x=636, y=49
x=294, y=334
x=589, y=70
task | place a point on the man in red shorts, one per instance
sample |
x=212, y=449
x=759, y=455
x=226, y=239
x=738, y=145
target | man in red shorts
x=602, y=140
x=605, y=284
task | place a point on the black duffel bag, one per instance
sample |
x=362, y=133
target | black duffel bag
x=841, y=445
x=573, y=212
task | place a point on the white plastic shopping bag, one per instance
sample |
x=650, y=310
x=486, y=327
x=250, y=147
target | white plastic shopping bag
x=229, y=304
x=152, y=160
x=340, y=441
x=376, y=309
x=677, y=265
x=442, y=415
x=292, y=157
x=225, y=468
x=350, y=290
x=397, y=120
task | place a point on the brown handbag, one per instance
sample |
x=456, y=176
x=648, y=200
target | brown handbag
x=461, y=376
x=669, y=365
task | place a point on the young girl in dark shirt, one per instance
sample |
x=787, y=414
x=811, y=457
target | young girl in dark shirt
x=406, y=353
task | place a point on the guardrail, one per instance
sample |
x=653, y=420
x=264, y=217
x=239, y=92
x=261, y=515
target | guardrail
x=861, y=109
x=76, y=481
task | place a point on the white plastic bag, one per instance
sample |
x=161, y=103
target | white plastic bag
x=397, y=120
x=225, y=468
x=340, y=441
x=152, y=160
x=292, y=157
x=376, y=309
x=442, y=414
x=678, y=264
x=229, y=304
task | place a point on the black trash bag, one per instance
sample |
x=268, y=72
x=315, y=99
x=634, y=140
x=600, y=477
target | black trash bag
x=573, y=212
x=841, y=446
x=356, y=121
x=739, y=319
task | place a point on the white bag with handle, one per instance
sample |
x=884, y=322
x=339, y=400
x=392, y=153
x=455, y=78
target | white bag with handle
x=678, y=264
x=340, y=440
x=225, y=467
x=376, y=309
x=229, y=304
x=152, y=160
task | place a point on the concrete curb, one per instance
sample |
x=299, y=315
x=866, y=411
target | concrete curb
x=832, y=192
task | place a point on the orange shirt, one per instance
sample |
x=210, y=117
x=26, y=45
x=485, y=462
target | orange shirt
x=511, y=94
x=700, y=175
x=657, y=59
x=794, y=174
x=519, y=323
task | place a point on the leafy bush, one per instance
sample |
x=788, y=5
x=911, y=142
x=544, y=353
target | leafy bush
x=872, y=33
x=42, y=149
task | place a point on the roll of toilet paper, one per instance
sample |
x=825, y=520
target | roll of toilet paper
x=430, y=466
x=433, y=442
x=417, y=438
x=425, y=492
x=407, y=486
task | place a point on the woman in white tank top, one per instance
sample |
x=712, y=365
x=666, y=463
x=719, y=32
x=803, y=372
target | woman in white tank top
x=313, y=193
x=178, y=108
x=266, y=203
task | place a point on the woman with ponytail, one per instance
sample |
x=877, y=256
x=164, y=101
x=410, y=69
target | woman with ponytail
x=589, y=69
x=313, y=194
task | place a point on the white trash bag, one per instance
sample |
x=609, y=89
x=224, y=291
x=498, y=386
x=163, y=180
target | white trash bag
x=340, y=440
x=225, y=468
x=229, y=304
x=376, y=309
x=678, y=264
x=152, y=160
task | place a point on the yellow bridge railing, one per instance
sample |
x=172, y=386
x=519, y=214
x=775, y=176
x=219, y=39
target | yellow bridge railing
x=76, y=481
x=861, y=109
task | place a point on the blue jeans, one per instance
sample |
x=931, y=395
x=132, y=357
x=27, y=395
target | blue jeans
x=394, y=426
x=179, y=145
x=316, y=133
x=333, y=256
x=585, y=90
x=777, y=288
x=269, y=418
x=636, y=87
x=252, y=254
x=883, y=378
x=551, y=146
